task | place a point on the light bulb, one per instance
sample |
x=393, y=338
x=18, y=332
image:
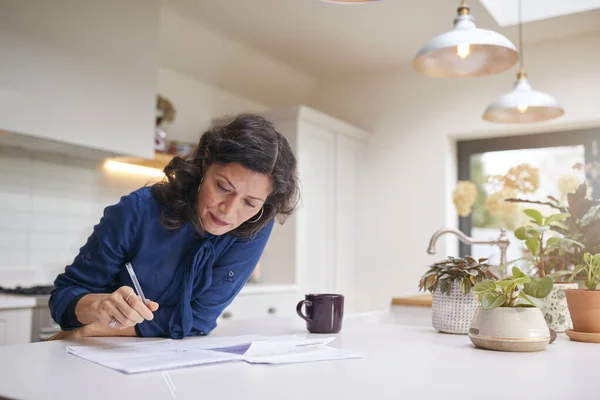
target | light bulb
x=522, y=108
x=463, y=50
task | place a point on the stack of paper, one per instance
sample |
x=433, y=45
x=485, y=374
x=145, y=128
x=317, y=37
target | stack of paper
x=167, y=354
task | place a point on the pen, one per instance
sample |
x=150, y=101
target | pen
x=137, y=286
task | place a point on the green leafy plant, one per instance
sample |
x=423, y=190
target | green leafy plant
x=582, y=226
x=584, y=223
x=465, y=271
x=541, y=247
x=591, y=267
x=519, y=290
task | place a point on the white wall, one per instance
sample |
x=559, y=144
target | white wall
x=82, y=73
x=197, y=103
x=206, y=74
x=414, y=121
x=49, y=205
x=191, y=48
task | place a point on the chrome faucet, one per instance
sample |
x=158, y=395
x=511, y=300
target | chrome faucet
x=501, y=242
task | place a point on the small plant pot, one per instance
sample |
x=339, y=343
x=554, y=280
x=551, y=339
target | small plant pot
x=454, y=312
x=584, y=306
x=519, y=329
x=555, y=309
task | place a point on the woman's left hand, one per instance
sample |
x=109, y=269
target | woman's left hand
x=66, y=335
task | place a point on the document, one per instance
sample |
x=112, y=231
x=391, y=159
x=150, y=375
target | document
x=152, y=356
x=168, y=354
x=295, y=351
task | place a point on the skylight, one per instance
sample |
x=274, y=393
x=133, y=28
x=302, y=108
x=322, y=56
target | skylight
x=505, y=12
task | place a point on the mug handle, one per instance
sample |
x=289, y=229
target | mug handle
x=299, y=310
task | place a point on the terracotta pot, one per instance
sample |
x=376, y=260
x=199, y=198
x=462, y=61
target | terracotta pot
x=510, y=329
x=584, y=307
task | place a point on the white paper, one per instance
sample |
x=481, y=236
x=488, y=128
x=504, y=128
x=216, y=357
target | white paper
x=312, y=355
x=217, y=342
x=295, y=351
x=265, y=348
x=149, y=356
x=168, y=354
x=234, y=344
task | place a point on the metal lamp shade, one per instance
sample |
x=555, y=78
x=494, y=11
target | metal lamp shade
x=489, y=52
x=523, y=105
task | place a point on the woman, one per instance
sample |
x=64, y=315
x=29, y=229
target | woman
x=192, y=239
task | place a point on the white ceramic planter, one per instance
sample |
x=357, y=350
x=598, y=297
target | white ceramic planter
x=555, y=308
x=453, y=313
x=510, y=329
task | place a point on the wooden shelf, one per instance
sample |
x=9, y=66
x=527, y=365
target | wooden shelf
x=419, y=301
x=159, y=161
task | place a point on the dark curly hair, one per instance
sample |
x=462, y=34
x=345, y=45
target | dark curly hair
x=247, y=139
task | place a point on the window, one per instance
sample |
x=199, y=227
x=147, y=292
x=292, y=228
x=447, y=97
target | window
x=560, y=159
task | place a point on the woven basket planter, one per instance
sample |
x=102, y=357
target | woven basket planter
x=454, y=312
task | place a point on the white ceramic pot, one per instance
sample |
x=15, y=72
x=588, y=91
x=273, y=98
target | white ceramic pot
x=454, y=312
x=510, y=329
x=555, y=308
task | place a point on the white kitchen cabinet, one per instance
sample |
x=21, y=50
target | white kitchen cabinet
x=15, y=326
x=81, y=73
x=349, y=206
x=317, y=249
x=259, y=301
x=16, y=314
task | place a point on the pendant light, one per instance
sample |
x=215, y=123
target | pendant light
x=466, y=51
x=523, y=104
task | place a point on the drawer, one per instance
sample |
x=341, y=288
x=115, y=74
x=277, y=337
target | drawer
x=246, y=306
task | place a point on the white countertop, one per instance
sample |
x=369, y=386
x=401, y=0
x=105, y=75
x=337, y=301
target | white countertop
x=8, y=301
x=404, y=359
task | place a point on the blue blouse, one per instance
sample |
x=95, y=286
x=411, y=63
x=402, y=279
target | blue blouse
x=192, y=277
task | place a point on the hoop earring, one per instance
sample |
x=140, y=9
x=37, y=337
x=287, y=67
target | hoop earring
x=259, y=217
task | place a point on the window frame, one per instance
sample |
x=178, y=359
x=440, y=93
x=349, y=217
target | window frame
x=589, y=138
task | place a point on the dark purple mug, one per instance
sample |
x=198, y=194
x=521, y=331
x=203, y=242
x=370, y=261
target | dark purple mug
x=324, y=312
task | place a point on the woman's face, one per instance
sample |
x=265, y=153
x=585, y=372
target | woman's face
x=229, y=196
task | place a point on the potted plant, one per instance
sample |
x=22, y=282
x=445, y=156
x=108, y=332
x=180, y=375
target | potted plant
x=537, y=236
x=508, y=318
x=584, y=304
x=582, y=225
x=450, y=282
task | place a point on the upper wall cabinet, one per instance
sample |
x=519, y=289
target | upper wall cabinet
x=319, y=249
x=80, y=72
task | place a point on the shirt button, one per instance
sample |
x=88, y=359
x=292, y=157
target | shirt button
x=88, y=256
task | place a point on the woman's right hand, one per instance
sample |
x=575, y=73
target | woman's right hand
x=123, y=304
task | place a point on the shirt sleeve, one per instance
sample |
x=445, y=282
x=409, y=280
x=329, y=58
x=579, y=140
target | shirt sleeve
x=229, y=275
x=96, y=268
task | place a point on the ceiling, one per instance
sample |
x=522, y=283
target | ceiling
x=322, y=39
x=505, y=12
